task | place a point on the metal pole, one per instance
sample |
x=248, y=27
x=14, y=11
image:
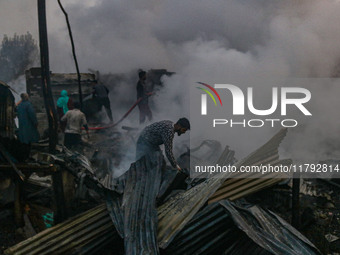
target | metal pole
x=74, y=54
x=45, y=76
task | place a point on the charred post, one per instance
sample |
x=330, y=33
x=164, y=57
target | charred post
x=59, y=196
x=74, y=54
x=45, y=76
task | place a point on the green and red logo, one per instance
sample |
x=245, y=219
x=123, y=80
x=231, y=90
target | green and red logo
x=209, y=93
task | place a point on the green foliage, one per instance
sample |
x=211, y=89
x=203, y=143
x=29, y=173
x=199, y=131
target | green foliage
x=16, y=55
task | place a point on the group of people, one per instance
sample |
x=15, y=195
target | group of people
x=72, y=120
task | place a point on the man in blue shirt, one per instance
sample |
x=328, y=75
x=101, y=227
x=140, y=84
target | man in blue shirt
x=28, y=123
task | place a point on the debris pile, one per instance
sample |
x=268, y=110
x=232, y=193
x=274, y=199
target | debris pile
x=151, y=209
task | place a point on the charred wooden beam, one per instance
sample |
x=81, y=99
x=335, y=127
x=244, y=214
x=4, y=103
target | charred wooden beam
x=74, y=54
x=59, y=196
x=88, y=181
x=45, y=76
x=11, y=163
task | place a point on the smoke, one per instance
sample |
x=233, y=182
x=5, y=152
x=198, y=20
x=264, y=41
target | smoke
x=216, y=42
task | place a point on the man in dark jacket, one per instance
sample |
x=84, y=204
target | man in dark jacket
x=28, y=123
x=100, y=94
x=143, y=105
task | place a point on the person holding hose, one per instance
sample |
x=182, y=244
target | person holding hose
x=143, y=96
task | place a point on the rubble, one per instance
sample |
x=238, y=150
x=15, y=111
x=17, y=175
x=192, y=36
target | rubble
x=174, y=214
x=151, y=209
x=331, y=238
x=228, y=228
x=128, y=197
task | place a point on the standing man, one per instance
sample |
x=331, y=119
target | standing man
x=158, y=133
x=75, y=121
x=28, y=132
x=143, y=105
x=100, y=94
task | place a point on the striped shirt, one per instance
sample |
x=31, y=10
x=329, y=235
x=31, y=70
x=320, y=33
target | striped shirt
x=158, y=133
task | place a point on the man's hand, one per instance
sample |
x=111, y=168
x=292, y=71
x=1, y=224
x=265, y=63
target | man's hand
x=179, y=168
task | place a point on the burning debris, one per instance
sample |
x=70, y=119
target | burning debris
x=144, y=214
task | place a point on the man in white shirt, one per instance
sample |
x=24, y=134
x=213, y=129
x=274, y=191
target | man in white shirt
x=75, y=121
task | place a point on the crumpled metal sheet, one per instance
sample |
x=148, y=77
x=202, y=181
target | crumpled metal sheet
x=269, y=231
x=80, y=159
x=139, y=204
x=109, y=182
x=134, y=211
x=235, y=188
x=209, y=232
x=113, y=206
x=216, y=230
x=179, y=210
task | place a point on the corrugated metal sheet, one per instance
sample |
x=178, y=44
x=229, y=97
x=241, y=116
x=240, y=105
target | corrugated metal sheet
x=134, y=212
x=268, y=230
x=179, y=210
x=242, y=245
x=235, y=188
x=225, y=228
x=206, y=233
x=139, y=204
x=84, y=232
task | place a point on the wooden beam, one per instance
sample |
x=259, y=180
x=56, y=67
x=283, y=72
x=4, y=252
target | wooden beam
x=59, y=197
x=45, y=76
